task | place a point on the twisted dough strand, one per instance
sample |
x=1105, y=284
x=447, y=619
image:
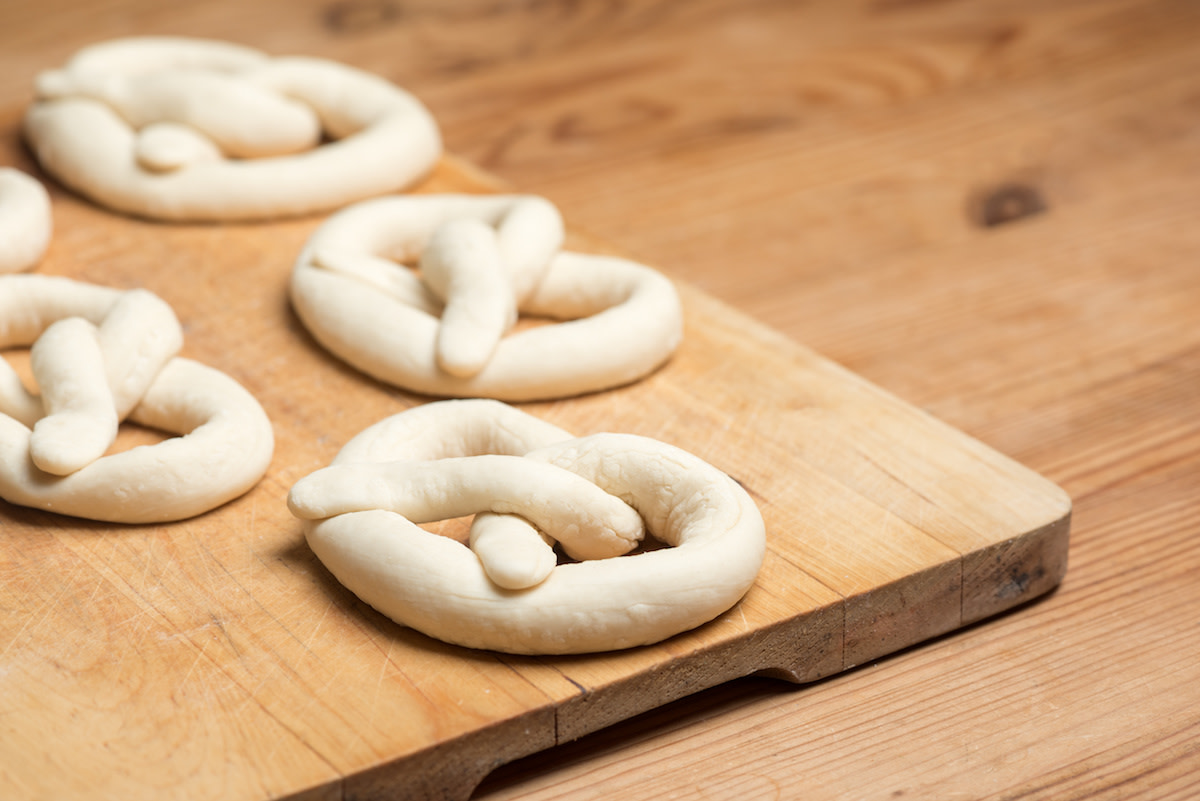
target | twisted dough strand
x=101, y=356
x=187, y=129
x=448, y=591
x=483, y=259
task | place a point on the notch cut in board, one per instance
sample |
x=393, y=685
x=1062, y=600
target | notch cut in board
x=217, y=658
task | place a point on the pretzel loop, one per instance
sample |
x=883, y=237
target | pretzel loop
x=191, y=129
x=100, y=356
x=447, y=329
x=25, y=221
x=530, y=484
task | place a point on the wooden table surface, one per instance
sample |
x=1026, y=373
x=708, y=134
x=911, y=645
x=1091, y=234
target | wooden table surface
x=988, y=209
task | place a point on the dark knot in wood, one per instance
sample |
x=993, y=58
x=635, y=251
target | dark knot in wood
x=1006, y=203
x=360, y=16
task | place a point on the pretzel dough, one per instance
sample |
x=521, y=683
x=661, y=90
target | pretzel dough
x=453, y=458
x=100, y=356
x=482, y=260
x=192, y=129
x=25, y=221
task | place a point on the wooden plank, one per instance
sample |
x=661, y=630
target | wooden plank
x=1067, y=340
x=236, y=631
x=231, y=624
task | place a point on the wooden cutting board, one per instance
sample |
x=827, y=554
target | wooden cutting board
x=216, y=658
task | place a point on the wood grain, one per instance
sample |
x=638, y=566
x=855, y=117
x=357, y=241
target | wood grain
x=823, y=167
x=877, y=516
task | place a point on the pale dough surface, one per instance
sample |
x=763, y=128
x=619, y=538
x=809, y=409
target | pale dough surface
x=100, y=356
x=453, y=458
x=447, y=329
x=26, y=221
x=185, y=129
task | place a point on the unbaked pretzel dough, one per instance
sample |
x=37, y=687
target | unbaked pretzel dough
x=100, y=356
x=454, y=458
x=25, y=221
x=482, y=260
x=189, y=129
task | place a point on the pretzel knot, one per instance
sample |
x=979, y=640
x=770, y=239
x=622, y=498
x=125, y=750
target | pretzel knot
x=193, y=129
x=447, y=328
x=529, y=484
x=100, y=356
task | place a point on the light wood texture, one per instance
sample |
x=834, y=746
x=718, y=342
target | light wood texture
x=885, y=527
x=842, y=172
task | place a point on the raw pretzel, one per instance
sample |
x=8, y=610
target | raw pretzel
x=100, y=356
x=531, y=483
x=25, y=221
x=193, y=129
x=482, y=260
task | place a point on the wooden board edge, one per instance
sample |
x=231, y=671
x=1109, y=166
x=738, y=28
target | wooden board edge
x=1015, y=571
x=448, y=771
x=800, y=649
